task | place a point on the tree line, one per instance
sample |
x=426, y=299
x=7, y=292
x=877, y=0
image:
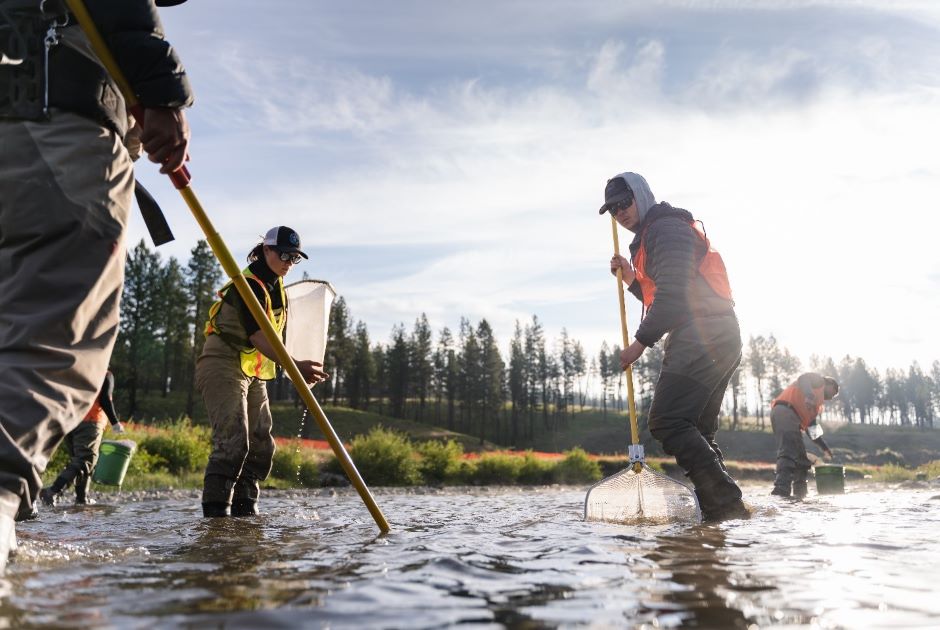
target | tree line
x=460, y=379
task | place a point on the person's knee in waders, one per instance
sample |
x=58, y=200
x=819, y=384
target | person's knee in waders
x=795, y=411
x=236, y=360
x=682, y=283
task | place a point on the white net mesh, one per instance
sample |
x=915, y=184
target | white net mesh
x=309, y=317
x=644, y=497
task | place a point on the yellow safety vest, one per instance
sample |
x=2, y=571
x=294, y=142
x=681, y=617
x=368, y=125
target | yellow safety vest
x=253, y=362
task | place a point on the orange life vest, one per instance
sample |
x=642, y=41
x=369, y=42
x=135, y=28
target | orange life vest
x=712, y=268
x=96, y=413
x=793, y=396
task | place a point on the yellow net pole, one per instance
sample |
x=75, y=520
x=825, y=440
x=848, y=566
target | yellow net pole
x=631, y=404
x=221, y=251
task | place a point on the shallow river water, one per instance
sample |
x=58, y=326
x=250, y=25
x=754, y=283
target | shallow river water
x=506, y=557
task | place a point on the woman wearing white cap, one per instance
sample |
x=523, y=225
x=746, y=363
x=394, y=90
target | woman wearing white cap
x=230, y=373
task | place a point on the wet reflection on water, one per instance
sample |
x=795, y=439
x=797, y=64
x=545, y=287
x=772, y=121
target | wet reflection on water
x=506, y=557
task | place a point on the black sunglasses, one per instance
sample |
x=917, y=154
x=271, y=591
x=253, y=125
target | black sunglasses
x=293, y=258
x=616, y=207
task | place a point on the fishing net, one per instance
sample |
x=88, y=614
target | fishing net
x=309, y=303
x=630, y=497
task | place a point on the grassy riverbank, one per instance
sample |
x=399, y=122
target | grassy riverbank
x=174, y=455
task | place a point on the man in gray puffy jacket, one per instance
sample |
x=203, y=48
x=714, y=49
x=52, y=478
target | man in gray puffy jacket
x=684, y=288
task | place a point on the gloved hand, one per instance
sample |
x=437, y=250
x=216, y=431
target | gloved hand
x=118, y=428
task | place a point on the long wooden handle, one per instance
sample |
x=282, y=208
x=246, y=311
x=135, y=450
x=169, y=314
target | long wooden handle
x=631, y=404
x=181, y=182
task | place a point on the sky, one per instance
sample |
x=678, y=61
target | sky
x=449, y=158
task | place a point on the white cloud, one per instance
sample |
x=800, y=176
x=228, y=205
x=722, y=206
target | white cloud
x=814, y=185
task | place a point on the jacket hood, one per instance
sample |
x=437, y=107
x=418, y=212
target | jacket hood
x=641, y=192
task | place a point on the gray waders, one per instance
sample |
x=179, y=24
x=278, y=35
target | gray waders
x=699, y=359
x=792, y=463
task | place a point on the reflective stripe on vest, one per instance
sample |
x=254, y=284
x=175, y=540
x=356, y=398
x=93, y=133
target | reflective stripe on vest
x=793, y=396
x=711, y=268
x=253, y=362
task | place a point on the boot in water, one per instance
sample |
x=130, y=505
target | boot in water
x=48, y=496
x=719, y=497
x=245, y=497
x=82, y=484
x=215, y=509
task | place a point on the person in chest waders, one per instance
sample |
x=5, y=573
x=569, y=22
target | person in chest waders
x=66, y=184
x=84, y=444
x=795, y=410
x=236, y=361
x=685, y=292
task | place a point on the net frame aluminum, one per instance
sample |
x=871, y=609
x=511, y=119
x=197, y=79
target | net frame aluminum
x=644, y=496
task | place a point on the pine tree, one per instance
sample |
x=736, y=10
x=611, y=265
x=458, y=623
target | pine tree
x=173, y=325
x=338, y=348
x=491, y=377
x=139, y=305
x=420, y=363
x=518, y=395
x=396, y=370
x=203, y=278
x=361, y=369
x=469, y=366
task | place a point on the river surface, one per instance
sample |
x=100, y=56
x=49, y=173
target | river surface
x=487, y=558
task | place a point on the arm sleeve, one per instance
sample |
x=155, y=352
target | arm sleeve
x=105, y=397
x=821, y=443
x=247, y=319
x=635, y=289
x=134, y=33
x=670, y=250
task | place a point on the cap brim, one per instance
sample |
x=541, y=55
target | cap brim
x=290, y=250
x=616, y=199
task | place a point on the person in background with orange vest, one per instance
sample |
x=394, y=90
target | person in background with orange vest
x=84, y=444
x=685, y=292
x=795, y=410
x=235, y=362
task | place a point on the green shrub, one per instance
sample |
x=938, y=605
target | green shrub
x=385, y=458
x=182, y=446
x=534, y=471
x=440, y=461
x=931, y=469
x=143, y=462
x=497, y=469
x=296, y=465
x=892, y=472
x=577, y=467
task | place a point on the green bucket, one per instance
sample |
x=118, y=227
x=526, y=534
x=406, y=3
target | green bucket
x=113, y=460
x=830, y=479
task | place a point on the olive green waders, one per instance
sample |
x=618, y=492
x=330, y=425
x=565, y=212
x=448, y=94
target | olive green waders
x=792, y=462
x=84, y=445
x=65, y=194
x=240, y=416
